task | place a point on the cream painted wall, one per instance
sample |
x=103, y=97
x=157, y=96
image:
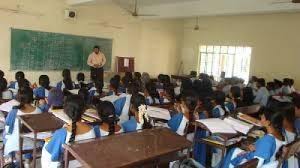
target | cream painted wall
x=145, y=40
x=274, y=38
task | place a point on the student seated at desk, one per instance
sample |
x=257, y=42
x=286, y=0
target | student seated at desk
x=247, y=96
x=113, y=87
x=185, y=109
x=218, y=101
x=278, y=87
x=262, y=94
x=168, y=96
x=52, y=152
x=12, y=132
x=96, y=90
x=137, y=79
x=296, y=102
x=265, y=148
x=5, y=94
x=271, y=88
x=80, y=83
x=202, y=111
x=235, y=99
x=289, y=131
x=109, y=126
x=42, y=91
x=20, y=82
x=139, y=118
x=84, y=93
x=286, y=89
x=145, y=79
x=151, y=94
x=67, y=82
x=55, y=100
x=292, y=85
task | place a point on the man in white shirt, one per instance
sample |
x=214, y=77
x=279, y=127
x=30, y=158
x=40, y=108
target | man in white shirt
x=97, y=61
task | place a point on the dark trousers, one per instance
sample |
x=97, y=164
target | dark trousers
x=97, y=74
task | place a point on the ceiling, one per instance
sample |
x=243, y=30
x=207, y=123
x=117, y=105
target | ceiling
x=190, y=8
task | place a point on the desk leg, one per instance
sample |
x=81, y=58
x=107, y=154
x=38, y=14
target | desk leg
x=66, y=158
x=34, y=150
x=21, y=151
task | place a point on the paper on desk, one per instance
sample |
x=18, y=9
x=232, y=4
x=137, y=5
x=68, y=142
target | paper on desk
x=238, y=125
x=40, y=135
x=9, y=105
x=111, y=98
x=282, y=98
x=92, y=113
x=216, y=125
x=249, y=119
x=59, y=113
x=74, y=91
x=160, y=113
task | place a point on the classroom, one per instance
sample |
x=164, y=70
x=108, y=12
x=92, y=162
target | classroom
x=149, y=83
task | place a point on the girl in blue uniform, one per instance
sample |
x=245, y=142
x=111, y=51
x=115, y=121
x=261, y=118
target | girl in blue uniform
x=42, y=91
x=12, y=132
x=67, y=82
x=151, y=94
x=138, y=117
x=265, y=148
x=20, y=82
x=54, y=101
x=109, y=126
x=218, y=102
x=4, y=92
x=235, y=96
x=52, y=152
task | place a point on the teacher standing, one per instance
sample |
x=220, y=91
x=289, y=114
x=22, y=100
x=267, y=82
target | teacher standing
x=96, y=61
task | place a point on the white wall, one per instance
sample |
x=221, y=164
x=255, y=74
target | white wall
x=274, y=39
x=145, y=40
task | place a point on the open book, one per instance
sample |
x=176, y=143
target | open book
x=238, y=125
x=249, y=119
x=227, y=126
x=74, y=91
x=59, y=113
x=7, y=107
x=159, y=113
x=92, y=113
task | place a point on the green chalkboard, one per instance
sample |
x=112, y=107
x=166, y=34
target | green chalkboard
x=36, y=50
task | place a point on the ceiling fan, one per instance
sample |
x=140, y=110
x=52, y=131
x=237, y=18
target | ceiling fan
x=106, y=25
x=287, y=2
x=135, y=12
x=196, y=27
x=18, y=10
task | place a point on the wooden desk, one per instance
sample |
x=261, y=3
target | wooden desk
x=250, y=110
x=127, y=150
x=38, y=123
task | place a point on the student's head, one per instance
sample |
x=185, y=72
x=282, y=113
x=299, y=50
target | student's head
x=277, y=83
x=150, y=90
x=270, y=86
x=106, y=112
x=145, y=77
x=84, y=93
x=114, y=85
x=66, y=74
x=55, y=98
x=24, y=96
x=44, y=81
x=253, y=79
x=296, y=101
x=80, y=77
x=272, y=118
x=3, y=85
x=96, y=49
x=74, y=107
x=292, y=82
x=99, y=87
x=260, y=83
x=286, y=82
x=137, y=76
x=288, y=110
x=19, y=75
x=189, y=101
x=128, y=75
x=247, y=96
x=1, y=74
x=133, y=89
x=235, y=92
x=186, y=85
x=218, y=98
x=169, y=93
x=138, y=108
x=118, y=78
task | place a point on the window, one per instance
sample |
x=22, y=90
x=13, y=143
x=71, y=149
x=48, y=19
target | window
x=233, y=60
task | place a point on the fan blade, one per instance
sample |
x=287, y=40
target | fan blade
x=146, y=15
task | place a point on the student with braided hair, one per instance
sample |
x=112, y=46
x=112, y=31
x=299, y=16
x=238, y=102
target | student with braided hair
x=138, y=117
x=76, y=131
x=109, y=126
